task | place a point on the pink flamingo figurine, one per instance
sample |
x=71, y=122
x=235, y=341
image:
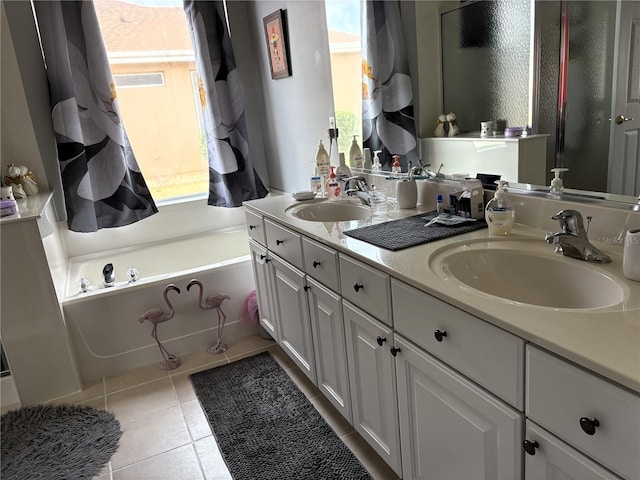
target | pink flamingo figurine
x=157, y=315
x=211, y=302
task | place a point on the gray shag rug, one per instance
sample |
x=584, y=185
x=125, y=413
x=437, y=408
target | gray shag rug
x=61, y=442
x=266, y=428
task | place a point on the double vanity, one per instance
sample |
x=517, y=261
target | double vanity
x=469, y=357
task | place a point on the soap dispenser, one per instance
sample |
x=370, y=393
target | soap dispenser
x=333, y=185
x=556, y=182
x=396, y=167
x=377, y=166
x=499, y=213
x=355, y=155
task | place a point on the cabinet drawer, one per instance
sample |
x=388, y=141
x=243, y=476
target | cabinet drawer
x=255, y=227
x=561, y=396
x=366, y=287
x=487, y=354
x=284, y=243
x=321, y=263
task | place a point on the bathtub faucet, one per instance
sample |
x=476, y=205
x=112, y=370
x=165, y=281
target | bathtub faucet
x=109, y=275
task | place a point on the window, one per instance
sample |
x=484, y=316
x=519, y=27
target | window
x=343, y=24
x=153, y=64
x=139, y=80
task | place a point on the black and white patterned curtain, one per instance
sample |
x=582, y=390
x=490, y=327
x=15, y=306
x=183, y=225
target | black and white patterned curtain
x=232, y=177
x=387, y=96
x=102, y=183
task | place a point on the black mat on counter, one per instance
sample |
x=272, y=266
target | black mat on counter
x=409, y=232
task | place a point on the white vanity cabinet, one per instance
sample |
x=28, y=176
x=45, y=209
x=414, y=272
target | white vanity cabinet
x=549, y=458
x=263, y=274
x=327, y=326
x=596, y=417
x=372, y=378
x=451, y=428
x=291, y=310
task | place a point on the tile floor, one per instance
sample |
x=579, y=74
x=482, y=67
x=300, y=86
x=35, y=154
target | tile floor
x=165, y=433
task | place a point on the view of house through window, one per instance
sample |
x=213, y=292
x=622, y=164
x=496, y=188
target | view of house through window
x=343, y=25
x=153, y=66
x=152, y=61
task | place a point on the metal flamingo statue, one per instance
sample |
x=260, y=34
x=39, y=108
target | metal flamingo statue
x=157, y=315
x=210, y=303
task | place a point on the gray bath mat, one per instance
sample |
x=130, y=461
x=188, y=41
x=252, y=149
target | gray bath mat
x=410, y=231
x=56, y=442
x=266, y=428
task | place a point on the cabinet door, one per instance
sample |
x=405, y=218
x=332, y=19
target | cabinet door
x=292, y=312
x=553, y=459
x=262, y=273
x=329, y=345
x=372, y=380
x=450, y=427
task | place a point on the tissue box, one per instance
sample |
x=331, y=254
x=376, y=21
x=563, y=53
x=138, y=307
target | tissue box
x=468, y=202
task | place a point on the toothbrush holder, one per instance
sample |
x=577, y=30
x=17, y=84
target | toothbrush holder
x=631, y=255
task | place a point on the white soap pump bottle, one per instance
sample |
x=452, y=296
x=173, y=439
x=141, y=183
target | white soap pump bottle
x=499, y=213
x=376, y=161
x=556, y=182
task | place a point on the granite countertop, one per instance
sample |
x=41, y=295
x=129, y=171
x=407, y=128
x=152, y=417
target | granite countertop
x=604, y=340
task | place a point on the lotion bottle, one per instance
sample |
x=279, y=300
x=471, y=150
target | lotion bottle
x=342, y=170
x=355, y=154
x=499, y=213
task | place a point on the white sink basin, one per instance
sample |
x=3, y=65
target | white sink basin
x=526, y=272
x=329, y=211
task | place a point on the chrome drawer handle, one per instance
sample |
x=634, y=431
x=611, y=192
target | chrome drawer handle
x=279, y=242
x=589, y=425
x=316, y=264
x=530, y=447
x=357, y=286
x=440, y=334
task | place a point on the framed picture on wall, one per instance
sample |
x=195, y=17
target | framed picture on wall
x=275, y=30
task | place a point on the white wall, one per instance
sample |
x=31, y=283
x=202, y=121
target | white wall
x=296, y=108
x=26, y=135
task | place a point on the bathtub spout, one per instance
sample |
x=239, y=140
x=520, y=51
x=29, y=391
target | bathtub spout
x=109, y=275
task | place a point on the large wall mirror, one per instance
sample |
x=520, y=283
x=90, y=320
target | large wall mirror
x=569, y=68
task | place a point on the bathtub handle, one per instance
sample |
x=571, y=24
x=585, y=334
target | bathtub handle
x=279, y=242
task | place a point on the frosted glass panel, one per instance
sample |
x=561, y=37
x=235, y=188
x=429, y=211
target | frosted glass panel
x=588, y=110
x=485, y=62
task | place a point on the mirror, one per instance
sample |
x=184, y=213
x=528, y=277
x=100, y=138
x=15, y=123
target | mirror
x=502, y=60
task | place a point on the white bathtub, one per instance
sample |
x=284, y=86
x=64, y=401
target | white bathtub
x=103, y=322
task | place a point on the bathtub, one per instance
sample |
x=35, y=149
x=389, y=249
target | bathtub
x=103, y=322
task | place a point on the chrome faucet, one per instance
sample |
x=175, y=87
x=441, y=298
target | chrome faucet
x=572, y=240
x=358, y=186
x=108, y=275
